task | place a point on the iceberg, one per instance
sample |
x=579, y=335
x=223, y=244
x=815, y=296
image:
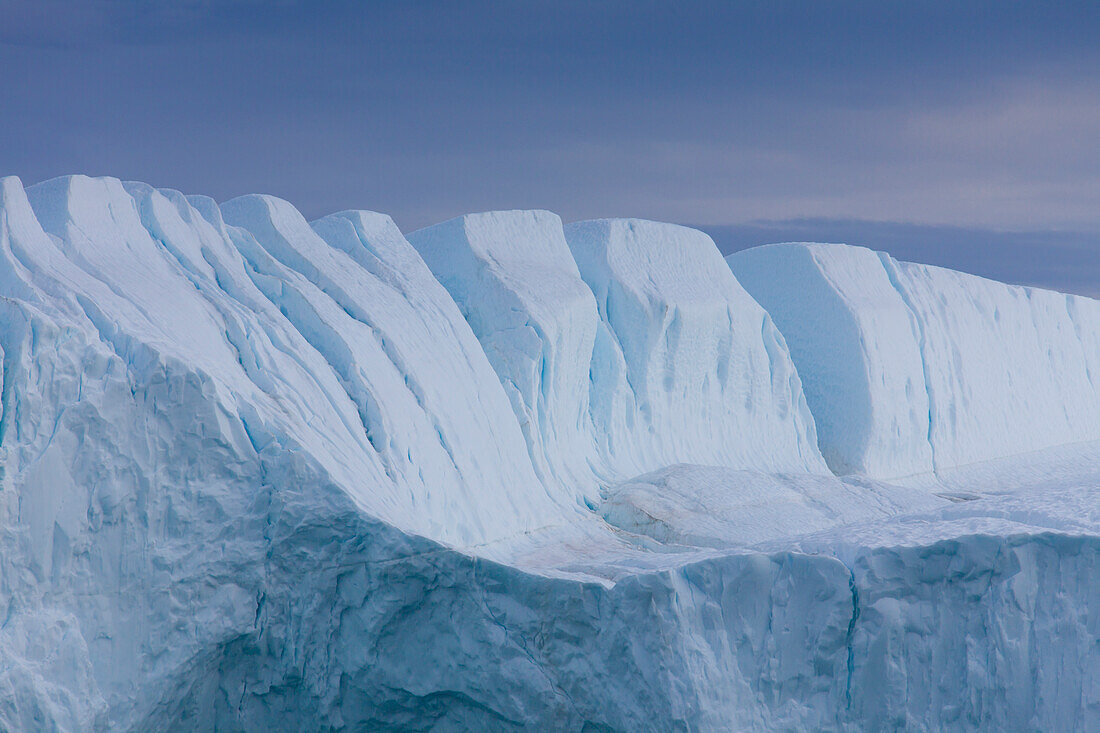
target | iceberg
x=259, y=472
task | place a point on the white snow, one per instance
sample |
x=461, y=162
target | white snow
x=261, y=473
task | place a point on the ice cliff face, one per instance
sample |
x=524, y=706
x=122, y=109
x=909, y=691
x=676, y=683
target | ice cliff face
x=512, y=276
x=687, y=367
x=626, y=346
x=912, y=368
x=260, y=472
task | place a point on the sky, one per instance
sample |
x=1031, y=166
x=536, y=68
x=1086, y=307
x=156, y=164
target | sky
x=962, y=134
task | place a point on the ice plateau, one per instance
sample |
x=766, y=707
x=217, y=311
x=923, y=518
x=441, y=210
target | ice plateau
x=506, y=474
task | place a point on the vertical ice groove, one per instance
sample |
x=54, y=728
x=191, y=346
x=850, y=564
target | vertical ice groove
x=362, y=297
x=848, y=637
x=204, y=259
x=628, y=344
x=922, y=345
x=512, y=275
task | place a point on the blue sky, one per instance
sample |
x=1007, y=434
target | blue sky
x=963, y=134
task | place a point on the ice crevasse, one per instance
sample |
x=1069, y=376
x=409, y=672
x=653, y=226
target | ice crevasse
x=262, y=472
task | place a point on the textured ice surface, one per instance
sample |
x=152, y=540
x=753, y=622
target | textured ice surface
x=260, y=473
x=512, y=275
x=426, y=400
x=626, y=346
x=173, y=389
x=867, y=395
x=1010, y=369
x=912, y=368
x=687, y=367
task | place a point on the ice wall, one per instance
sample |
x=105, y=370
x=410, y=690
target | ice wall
x=1010, y=369
x=626, y=346
x=426, y=399
x=687, y=367
x=911, y=368
x=981, y=625
x=514, y=279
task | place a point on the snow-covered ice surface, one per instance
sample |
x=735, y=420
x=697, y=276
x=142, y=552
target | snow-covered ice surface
x=262, y=473
x=707, y=506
